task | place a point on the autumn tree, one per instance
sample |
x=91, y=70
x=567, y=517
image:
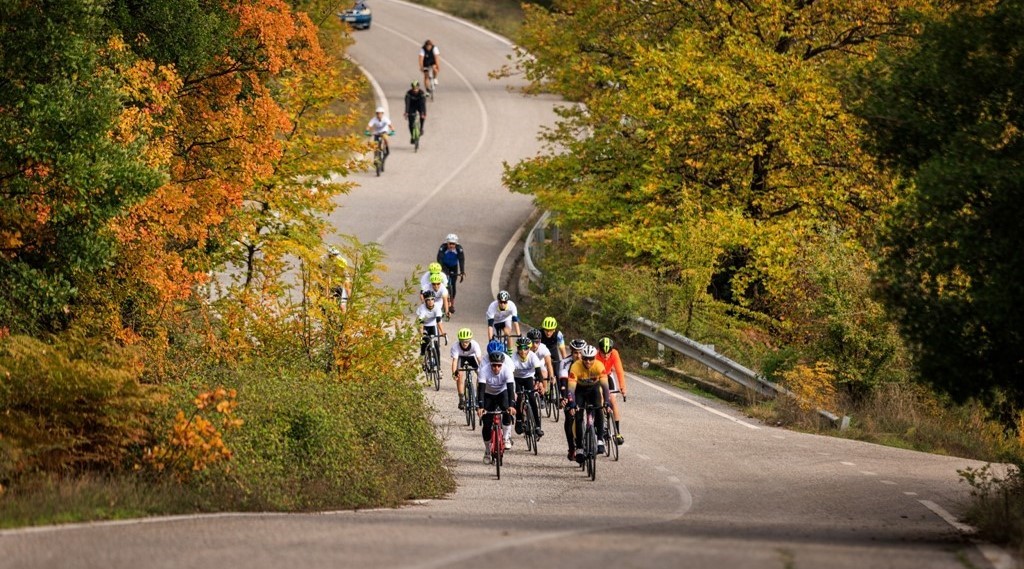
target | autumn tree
x=948, y=118
x=714, y=147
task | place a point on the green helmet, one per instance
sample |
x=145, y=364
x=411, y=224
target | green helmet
x=549, y=323
x=436, y=278
x=435, y=268
x=605, y=344
x=524, y=344
x=465, y=334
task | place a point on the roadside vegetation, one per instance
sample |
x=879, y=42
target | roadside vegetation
x=169, y=340
x=828, y=193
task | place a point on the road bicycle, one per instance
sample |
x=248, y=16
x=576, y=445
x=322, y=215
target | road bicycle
x=497, y=445
x=508, y=339
x=431, y=81
x=416, y=129
x=525, y=415
x=590, y=441
x=470, y=394
x=432, y=359
x=380, y=152
x=551, y=400
x=611, y=432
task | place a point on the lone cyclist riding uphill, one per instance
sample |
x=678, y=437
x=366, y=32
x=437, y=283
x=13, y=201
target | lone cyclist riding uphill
x=430, y=60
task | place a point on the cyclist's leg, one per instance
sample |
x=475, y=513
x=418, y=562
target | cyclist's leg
x=580, y=413
x=412, y=123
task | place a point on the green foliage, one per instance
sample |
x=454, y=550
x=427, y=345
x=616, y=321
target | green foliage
x=72, y=406
x=997, y=508
x=948, y=118
x=62, y=176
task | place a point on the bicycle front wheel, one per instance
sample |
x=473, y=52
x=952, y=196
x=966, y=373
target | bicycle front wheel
x=614, y=430
x=592, y=454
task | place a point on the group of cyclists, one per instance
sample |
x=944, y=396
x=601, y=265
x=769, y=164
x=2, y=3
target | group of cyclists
x=381, y=127
x=513, y=363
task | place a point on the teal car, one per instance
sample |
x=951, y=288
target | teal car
x=358, y=16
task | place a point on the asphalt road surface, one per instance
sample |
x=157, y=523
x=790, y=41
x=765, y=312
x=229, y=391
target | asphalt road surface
x=698, y=484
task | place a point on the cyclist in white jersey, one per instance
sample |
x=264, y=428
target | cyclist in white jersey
x=429, y=316
x=503, y=315
x=527, y=366
x=495, y=391
x=380, y=126
x=432, y=269
x=544, y=354
x=440, y=293
x=465, y=353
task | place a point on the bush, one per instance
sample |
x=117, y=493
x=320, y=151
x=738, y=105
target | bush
x=70, y=406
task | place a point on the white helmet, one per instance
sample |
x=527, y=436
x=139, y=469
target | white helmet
x=379, y=110
x=452, y=238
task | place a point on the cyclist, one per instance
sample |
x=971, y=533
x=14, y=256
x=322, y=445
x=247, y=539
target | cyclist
x=553, y=339
x=495, y=391
x=499, y=346
x=379, y=126
x=588, y=383
x=544, y=354
x=502, y=314
x=432, y=269
x=575, y=350
x=609, y=356
x=335, y=269
x=527, y=367
x=430, y=58
x=440, y=292
x=415, y=104
x=453, y=262
x=465, y=353
x=429, y=316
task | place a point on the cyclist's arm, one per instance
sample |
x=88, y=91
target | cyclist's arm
x=620, y=374
x=510, y=388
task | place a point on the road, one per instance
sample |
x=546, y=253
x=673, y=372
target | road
x=698, y=485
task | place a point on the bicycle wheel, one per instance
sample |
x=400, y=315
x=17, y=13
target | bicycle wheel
x=437, y=365
x=415, y=138
x=607, y=435
x=592, y=455
x=378, y=161
x=531, y=438
x=614, y=430
x=497, y=446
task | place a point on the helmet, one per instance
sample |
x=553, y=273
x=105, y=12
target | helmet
x=465, y=334
x=452, y=238
x=428, y=295
x=379, y=110
x=605, y=344
x=589, y=352
x=434, y=268
x=503, y=296
x=436, y=278
x=495, y=347
x=549, y=323
x=415, y=84
x=577, y=344
x=496, y=357
x=534, y=334
x=523, y=344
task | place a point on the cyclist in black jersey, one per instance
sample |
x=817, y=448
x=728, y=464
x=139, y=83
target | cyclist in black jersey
x=415, y=104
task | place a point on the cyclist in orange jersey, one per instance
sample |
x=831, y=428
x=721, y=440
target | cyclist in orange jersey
x=609, y=356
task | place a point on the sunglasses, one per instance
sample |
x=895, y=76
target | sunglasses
x=496, y=365
x=588, y=359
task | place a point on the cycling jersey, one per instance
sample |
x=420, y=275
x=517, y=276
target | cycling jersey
x=440, y=293
x=452, y=259
x=554, y=343
x=497, y=316
x=612, y=363
x=472, y=351
x=496, y=382
x=523, y=368
x=582, y=376
x=429, y=317
x=379, y=126
x=429, y=57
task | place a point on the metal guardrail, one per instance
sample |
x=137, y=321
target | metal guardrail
x=703, y=354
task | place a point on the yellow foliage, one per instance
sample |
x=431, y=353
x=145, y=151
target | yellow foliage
x=195, y=442
x=813, y=386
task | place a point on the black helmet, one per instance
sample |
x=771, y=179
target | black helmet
x=605, y=344
x=534, y=334
x=429, y=295
x=496, y=357
x=524, y=343
x=503, y=296
x=577, y=344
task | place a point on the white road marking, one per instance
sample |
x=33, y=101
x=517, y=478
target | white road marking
x=673, y=479
x=948, y=517
x=995, y=555
x=661, y=468
x=888, y=482
x=778, y=436
x=692, y=402
x=644, y=456
x=868, y=473
x=911, y=493
x=848, y=463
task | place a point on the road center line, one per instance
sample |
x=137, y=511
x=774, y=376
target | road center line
x=693, y=402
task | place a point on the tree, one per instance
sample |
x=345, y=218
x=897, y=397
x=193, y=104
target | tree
x=948, y=117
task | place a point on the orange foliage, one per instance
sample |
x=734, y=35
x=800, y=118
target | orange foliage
x=196, y=442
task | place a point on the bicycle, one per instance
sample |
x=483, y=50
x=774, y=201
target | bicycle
x=453, y=276
x=430, y=82
x=470, y=395
x=414, y=127
x=507, y=339
x=551, y=400
x=590, y=442
x=380, y=153
x=432, y=359
x=525, y=410
x=497, y=442
x=610, y=435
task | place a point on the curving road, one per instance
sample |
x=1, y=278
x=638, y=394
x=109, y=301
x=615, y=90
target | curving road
x=698, y=484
